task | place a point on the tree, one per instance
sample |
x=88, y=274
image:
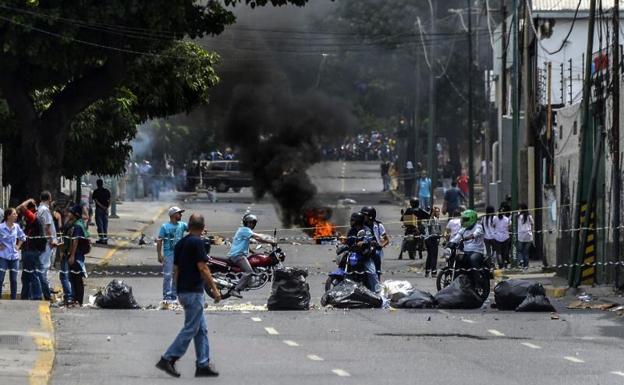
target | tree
x=70, y=70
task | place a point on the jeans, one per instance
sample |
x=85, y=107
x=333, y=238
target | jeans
x=31, y=284
x=64, y=278
x=431, y=265
x=43, y=265
x=194, y=329
x=386, y=182
x=523, y=249
x=12, y=266
x=424, y=201
x=101, y=221
x=169, y=289
x=372, y=281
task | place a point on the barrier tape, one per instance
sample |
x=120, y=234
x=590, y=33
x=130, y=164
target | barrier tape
x=385, y=272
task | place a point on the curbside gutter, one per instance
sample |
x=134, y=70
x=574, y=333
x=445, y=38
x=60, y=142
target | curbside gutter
x=42, y=370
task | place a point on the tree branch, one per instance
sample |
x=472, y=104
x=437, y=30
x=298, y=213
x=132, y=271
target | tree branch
x=18, y=99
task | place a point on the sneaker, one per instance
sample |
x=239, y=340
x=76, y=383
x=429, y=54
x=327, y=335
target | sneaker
x=168, y=367
x=206, y=371
x=235, y=293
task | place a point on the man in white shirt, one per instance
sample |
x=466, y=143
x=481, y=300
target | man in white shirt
x=47, y=221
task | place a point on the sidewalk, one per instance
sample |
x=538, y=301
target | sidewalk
x=26, y=342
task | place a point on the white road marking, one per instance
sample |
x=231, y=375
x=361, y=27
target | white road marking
x=244, y=312
x=291, y=343
x=314, y=357
x=530, y=345
x=256, y=319
x=621, y=374
x=341, y=373
x=574, y=359
x=271, y=331
x=496, y=333
x=468, y=321
x=444, y=312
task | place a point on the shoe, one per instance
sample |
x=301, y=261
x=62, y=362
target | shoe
x=426, y=274
x=168, y=367
x=206, y=371
x=235, y=293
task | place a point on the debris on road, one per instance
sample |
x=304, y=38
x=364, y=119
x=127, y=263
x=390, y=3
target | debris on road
x=348, y=294
x=536, y=301
x=116, y=295
x=509, y=294
x=395, y=290
x=290, y=290
x=416, y=299
x=591, y=305
x=458, y=295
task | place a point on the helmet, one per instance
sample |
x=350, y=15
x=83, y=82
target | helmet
x=250, y=220
x=468, y=218
x=370, y=211
x=358, y=218
x=414, y=203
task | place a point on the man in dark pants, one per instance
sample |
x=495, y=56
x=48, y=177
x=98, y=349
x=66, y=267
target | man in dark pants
x=434, y=232
x=190, y=275
x=102, y=197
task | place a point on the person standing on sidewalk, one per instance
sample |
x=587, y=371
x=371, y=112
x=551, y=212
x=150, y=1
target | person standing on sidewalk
x=488, y=235
x=34, y=246
x=191, y=273
x=75, y=247
x=45, y=217
x=11, y=239
x=169, y=235
x=501, y=224
x=102, y=198
x=525, y=236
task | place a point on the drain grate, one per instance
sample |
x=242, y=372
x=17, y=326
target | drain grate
x=10, y=340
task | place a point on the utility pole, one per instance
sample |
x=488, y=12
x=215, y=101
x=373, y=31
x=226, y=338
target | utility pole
x=579, y=242
x=515, y=100
x=615, y=139
x=504, y=48
x=432, y=107
x=471, y=173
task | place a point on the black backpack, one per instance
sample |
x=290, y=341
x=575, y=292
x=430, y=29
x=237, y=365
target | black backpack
x=36, y=240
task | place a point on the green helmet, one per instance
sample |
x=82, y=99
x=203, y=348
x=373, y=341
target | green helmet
x=468, y=218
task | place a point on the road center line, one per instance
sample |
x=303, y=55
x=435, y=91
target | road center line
x=496, y=333
x=621, y=374
x=256, y=319
x=574, y=359
x=314, y=357
x=291, y=343
x=271, y=331
x=341, y=373
x=468, y=321
x=530, y=345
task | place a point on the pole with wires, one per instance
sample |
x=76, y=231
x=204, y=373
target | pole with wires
x=471, y=171
x=615, y=139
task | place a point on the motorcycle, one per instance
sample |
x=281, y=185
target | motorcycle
x=227, y=274
x=350, y=265
x=457, y=263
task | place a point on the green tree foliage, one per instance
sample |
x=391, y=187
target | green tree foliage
x=77, y=77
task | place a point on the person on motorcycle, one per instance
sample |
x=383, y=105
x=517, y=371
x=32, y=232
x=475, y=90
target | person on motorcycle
x=379, y=231
x=240, y=249
x=472, y=235
x=362, y=241
x=412, y=219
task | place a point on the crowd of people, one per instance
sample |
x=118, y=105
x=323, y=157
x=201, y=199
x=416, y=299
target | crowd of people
x=364, y=147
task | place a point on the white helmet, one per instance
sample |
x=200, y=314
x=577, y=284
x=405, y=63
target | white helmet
x=249, y=220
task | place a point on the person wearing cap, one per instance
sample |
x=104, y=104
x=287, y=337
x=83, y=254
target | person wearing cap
x=169, y=235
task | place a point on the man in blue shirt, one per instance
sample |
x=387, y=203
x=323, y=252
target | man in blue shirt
x=240, y=249
x=424, y=190
x=169, y=235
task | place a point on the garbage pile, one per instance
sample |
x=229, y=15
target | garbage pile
x=459, y=295
x=116, y=295
x=522, y=296
x=352, y=295
x=290, y=291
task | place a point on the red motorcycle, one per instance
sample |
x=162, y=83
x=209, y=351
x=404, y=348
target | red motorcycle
x=227, y=275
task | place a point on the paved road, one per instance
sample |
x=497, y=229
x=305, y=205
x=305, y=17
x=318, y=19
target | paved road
x=328, y=346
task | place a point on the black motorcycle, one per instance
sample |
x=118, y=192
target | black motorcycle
x=457, y=263
x=350, y=264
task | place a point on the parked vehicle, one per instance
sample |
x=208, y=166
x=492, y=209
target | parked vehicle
x=458, y=264
x=227, y=275
x=222, y=175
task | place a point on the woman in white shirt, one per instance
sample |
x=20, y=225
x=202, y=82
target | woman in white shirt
x=525, y=236
x=488, y=231
x=501, y=225
x=11, y=239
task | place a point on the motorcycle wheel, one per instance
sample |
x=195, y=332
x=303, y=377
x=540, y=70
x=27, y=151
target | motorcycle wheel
x=444, y=278
x=224, y=295
x=331, y=282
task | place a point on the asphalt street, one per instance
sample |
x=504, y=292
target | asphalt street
x=250, y=345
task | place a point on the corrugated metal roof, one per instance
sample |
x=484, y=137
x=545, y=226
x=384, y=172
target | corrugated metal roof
x=568, y=5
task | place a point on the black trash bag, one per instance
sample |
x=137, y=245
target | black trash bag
x=117, y=295
x=417, y=299
x=508, y=295
x=352, y=295
x=458, y=295
x=536, y=301
x=290, y=291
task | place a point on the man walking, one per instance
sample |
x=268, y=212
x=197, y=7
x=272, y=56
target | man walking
x=169, y=235
x=424, y=190
x=191, y=273
x=45, y=259
x=102, y=198
x=452, y=199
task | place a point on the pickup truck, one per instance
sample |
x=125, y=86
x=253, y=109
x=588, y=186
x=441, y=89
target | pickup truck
x=223, y=175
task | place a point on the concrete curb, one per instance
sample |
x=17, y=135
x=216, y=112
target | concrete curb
x=42, y=370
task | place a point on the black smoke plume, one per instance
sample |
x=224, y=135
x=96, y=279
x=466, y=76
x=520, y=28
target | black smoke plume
x=279, y=135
